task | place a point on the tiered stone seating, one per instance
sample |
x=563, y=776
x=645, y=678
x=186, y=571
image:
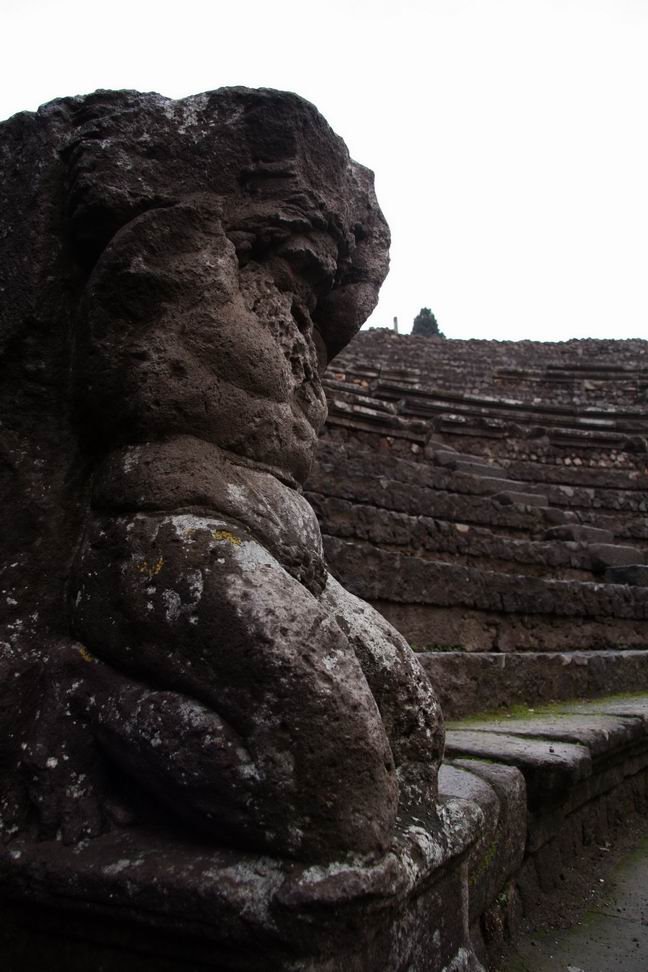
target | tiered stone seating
x=490, y=498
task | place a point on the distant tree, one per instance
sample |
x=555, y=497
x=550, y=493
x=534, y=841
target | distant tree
x=425, y=324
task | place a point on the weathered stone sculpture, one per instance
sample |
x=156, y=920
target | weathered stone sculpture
x=176, y=659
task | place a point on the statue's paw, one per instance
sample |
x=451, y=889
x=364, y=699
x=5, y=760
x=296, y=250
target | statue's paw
x=65, y=791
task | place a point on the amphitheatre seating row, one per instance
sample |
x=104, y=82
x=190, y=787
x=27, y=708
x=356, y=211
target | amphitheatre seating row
x=576, y=372
x=488, y=506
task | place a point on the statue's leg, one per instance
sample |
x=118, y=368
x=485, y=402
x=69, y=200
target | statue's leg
x=408, y=705
x=253, y=713
x=185, y=755
x=88, y=716
x=60, y=770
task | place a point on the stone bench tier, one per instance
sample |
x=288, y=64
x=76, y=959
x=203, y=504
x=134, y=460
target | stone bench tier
x=398, y=474
x=468, y=682
x=557, y=556
x=437, y=604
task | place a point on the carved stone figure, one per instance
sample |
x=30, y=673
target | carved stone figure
x=176, y=275
x=212, y=754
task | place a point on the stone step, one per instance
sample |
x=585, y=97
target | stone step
x=488, y=428
x=520, y=413
x=429, y=399
x=557, y=748
x=605, y=555
x=550, y=770
x=431, y=537
x=382, y=425
x=578, y=501
x=346, y=391
x=412, y=487
x=482, y=470
x=491, y=485
x=382, y=575
x=463, y=462
x=577, y=475
x=415, y=500
x=635, y=575
x=471, y=681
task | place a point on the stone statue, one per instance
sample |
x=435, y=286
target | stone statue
x=176, y=275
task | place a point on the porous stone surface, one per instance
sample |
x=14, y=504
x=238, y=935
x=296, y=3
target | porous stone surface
x=197, y=719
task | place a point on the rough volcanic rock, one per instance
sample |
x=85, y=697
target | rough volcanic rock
x=175, y=277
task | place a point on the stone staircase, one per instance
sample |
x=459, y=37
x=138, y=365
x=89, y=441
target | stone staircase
x=552, y=783
x=490, y=499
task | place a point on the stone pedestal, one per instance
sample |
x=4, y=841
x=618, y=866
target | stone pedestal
x=134, y=901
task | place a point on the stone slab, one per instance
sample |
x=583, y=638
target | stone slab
x=500, y=792
x=498, y=486
x=375, y=573
x=550, y=768
x=222, y=909
x=601, y=734
x=606, y=555
x=477, y=468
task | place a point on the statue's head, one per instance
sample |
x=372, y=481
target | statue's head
x=232, y=247
x=171, y=268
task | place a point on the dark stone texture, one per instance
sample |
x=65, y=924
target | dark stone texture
x=202, y=907
x=634, y=574
x=609, y=785
x=500, y=792
x=185, y=687
x=430, y=627
x=486, y=681
x=550, y=769
x=575, y=531
x=606, y=555
x=376, y=573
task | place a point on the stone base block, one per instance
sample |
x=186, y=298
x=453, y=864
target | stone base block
x=135, y=902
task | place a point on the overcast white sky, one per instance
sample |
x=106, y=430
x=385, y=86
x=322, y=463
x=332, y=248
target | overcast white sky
x=509, y=137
